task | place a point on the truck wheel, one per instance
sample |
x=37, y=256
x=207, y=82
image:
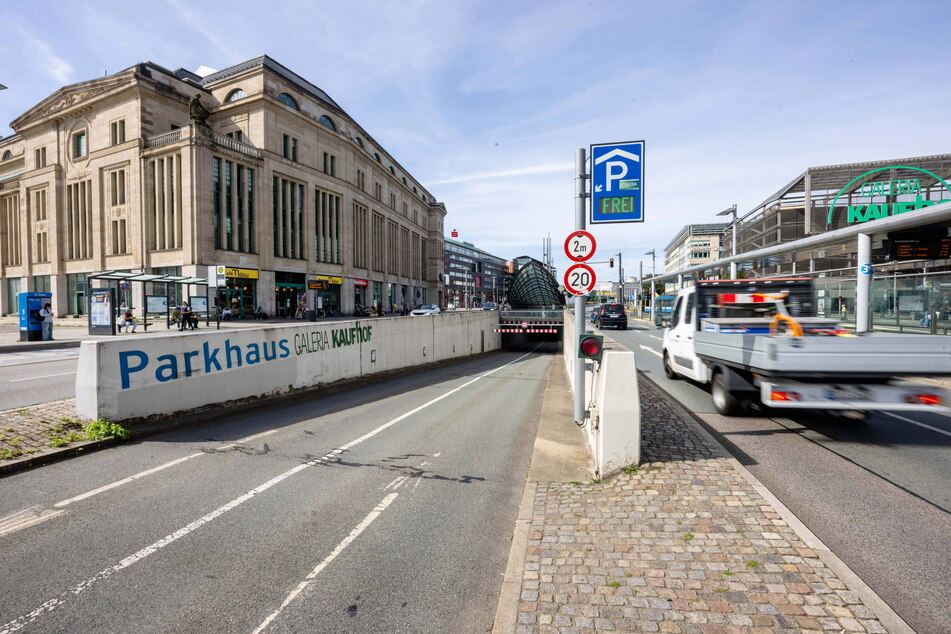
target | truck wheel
x=669, y=371
x=725, y=402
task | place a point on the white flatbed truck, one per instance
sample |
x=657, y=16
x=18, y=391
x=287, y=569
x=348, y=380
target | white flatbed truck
x=761, y=341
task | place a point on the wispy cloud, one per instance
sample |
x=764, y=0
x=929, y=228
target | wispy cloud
x=57, y=68
x=531, y=170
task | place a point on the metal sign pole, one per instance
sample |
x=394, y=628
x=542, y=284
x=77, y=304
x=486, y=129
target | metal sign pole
x=579, y=299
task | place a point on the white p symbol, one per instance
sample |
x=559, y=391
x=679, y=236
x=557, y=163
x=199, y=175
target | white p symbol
x=612, y=175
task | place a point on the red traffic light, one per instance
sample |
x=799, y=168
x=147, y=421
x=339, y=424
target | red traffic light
x=590, y=347
x=612, y=262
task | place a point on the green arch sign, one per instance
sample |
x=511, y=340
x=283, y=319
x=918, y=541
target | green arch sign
x=872, y=211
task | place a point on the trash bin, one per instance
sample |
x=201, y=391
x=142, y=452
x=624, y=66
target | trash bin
x=312, y=315
x=31, y=324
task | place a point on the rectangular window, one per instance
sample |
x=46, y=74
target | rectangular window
x=229, y=208
x=117, y=130
x=392, y=245
x=164, y=203
x=359, y=236
x=39, y=157
x=288, y=205
x=405, y=210
x=393, y=202
x=39, y=214
x=79, y=145
x=330, y=164
x=327, y=226
x=117, y=187
x=216, y=193
x=379, y=192
x=119, y=243
x=294, y=150
x=237, y=135
x=78, y=221
x=361, y=181
x=250, y=210
x=10, y=230
x=405, y=251
x=290, y=148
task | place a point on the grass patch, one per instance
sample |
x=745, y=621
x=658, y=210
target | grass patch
x=10, y=454
x=614, y=584
x=631, y=469
x=58, y=441
x=101, y=428
x=727, y=573
x=752, y=563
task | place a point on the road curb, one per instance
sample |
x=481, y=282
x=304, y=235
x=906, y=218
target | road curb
x=885, y=614
x=34, y=346
x=506, y=614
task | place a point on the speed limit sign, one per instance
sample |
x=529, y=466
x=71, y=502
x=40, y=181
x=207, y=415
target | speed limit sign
x=579, y=279
x=580, y=246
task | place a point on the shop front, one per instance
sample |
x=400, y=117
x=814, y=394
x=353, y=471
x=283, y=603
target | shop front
x=360, y=288
x=239, y=294
x=290, y=300
x=327, y=291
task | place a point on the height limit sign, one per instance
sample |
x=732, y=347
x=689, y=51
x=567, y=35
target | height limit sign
x=580, y=246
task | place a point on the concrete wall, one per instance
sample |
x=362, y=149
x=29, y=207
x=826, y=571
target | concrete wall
x=128, y=378
x=614, y=429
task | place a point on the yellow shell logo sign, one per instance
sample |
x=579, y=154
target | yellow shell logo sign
x=894, y=188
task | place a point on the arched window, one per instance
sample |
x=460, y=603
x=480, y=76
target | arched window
x=404, y=180
x=327, y=121
x=377, y=157
x=287, y=100
x=7, y=155
x=357, y=140
x=392, y=171
x=235, y=94
x=414, y=191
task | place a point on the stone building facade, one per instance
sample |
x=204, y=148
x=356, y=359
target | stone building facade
x=251, y=167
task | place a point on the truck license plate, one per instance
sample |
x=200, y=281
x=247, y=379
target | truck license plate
x=847, y=394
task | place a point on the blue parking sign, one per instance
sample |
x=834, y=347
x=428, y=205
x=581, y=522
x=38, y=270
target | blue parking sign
x=617, y=182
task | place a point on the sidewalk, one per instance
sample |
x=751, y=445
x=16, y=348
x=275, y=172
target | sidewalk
x=687, y=542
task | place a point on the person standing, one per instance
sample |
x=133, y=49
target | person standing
x=46, y=313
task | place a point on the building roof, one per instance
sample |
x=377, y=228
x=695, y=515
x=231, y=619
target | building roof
x=278, y=69
x=708, y=229
x=471, y=247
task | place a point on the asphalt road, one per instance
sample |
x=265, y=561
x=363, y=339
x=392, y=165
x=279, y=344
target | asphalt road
x=386, y=507
x=28, y=378
x=877, y=493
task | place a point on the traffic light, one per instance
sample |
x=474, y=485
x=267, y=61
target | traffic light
x=612, y=262
x=590, y=347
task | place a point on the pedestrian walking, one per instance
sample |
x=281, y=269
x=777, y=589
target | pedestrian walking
x=46, y=313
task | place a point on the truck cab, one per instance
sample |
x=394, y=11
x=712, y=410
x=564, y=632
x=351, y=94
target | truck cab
x=679, y=356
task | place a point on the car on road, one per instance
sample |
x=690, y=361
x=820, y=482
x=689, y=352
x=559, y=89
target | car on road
x=425, y=309
x=490, y=306
x=612, y=315
x=594, y=314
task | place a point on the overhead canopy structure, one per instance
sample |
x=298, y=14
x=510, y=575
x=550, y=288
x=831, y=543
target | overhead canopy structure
x=125, y=276
x=534, y=285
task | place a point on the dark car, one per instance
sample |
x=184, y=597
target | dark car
x=613, y=315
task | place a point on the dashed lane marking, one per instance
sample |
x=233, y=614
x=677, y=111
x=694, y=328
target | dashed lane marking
x=51, y=604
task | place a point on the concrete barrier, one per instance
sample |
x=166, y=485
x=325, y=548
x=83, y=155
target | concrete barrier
x=613, y=429
x=130, y=378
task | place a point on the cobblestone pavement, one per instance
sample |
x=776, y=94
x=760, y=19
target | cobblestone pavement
x=683, y=543
x=30, y=431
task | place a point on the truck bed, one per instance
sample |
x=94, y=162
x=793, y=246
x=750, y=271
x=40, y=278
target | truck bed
x=868, y=354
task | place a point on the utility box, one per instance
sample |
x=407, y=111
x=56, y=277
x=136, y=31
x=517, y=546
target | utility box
x=31, y=324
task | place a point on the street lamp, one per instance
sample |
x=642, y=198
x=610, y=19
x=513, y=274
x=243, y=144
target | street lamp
x=726, y=212
x=653, y=287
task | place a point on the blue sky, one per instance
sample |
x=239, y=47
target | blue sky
x=486, y=102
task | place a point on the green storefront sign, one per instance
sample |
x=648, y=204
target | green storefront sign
x=895, y=187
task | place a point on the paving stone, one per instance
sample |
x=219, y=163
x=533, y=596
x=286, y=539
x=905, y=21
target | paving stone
x=593, y=535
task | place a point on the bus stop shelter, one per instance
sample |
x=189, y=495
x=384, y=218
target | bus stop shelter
x=103, y=305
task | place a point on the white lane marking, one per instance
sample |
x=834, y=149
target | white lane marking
x=55, y=602
x=362, y=526
x=656, y=337
x=396, y=483
x=26, y=518
x=148, y=472
x=45, y=376
x=651, y=350
x=436, y=455
x=914, y=422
